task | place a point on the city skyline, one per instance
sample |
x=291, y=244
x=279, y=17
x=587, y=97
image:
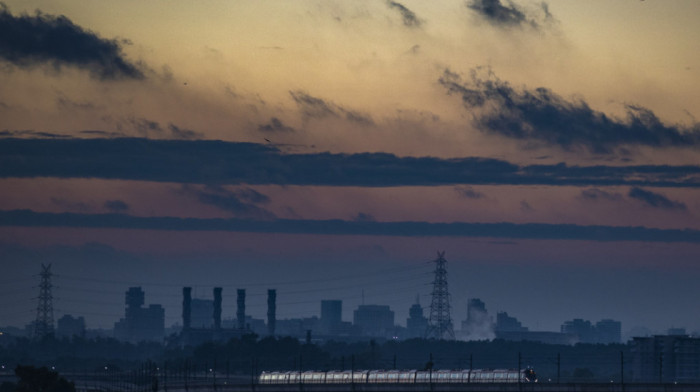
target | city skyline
x=326, y=148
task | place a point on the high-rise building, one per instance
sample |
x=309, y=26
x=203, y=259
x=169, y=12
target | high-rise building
x=69, y=326
x=331, y=316
x=416, y=323
x=140, y=323
x=374, y=320
x=608, y=331
x=478, y=325
x=506, y=323
x=666, y=358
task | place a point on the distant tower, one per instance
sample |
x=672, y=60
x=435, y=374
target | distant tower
x=440, y=323
x=240, y=310
x=217, y=307
x=271, y=311
x=43, y=326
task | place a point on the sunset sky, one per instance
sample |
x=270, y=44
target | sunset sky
x=330, y=148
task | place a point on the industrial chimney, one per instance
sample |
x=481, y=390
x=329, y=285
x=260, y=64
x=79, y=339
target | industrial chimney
x=217, y=307
x=186, y=307
x=271, y=311
x=240, y=311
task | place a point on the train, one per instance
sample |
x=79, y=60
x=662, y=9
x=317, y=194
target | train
x=400, y=376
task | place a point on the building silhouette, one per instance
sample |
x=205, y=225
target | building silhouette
x=331, y=316
x=69, y=326
x=604, y=331
x=666, y=358
x=374, y=320
x=416, y=323
x=140, y=323
x=478, y=325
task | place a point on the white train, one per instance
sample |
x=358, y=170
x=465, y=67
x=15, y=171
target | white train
x=400, y=376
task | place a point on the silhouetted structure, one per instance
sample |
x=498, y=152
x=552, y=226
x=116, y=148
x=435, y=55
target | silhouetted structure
x=374, y=320
x=605, y=331
x=331, y=316
x=478, y=325
x=666, y=358
x=240, y=309
x=506, y=323
x=69, y=326
x=440, y=322
x=43, y=325
x=186, y=307
x=271, y=311
x=416, y=323
x=217, y=307
x=140, y=323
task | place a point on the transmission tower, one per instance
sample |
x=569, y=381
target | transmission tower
x=43, y=326
x=440, y=323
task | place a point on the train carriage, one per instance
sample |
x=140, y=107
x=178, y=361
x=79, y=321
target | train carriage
x=400, y=376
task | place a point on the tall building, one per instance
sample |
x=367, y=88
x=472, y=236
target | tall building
x=374, y=320
x=416, y=323
x=331, y=316
x=478, y=325
x=69, y=326
x=666, y=358
x=608, y=331
x=202, y=311
x=604, y=331
x=140, y=323
x=506, y=323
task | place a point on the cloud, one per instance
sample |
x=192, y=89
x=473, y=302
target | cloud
x=243, y=203
x=30, y=133
x=220, y=162
x=116, y=206
x=408, y=16
x=507, y=15
x=317, y=108
x=542, y=115
x=182, y=133
x=525, y=206
x=144, y=126
x=69, y=205
x=469, y=193
x=363, y=217
x=27, y=41
x=275, y=125
x=28, y=218
x=595, y=194
x=655, y=200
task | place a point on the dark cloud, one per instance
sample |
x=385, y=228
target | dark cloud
x=525, y=206
x=116, y=206
x=363, y=217
x=30, y=133
x=27, y=218
x=313, y=107
x=656, y=200
x=95, y=132
x=594, y=194
x=41, y=39
x=408, y=16
x=219, y=162
x=275, y=125
x=64, y=102
x=507, y=14
x=70, y=205
x=542, y=115
x=182, y=133
x=144, y=126
x=243, y=203
x=469, y=192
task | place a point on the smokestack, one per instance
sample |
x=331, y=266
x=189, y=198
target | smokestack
x=217, y=307
x=271, y=311
x=240, y=312
x=186, y=307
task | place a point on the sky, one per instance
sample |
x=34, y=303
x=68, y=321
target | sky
x=329, y=149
